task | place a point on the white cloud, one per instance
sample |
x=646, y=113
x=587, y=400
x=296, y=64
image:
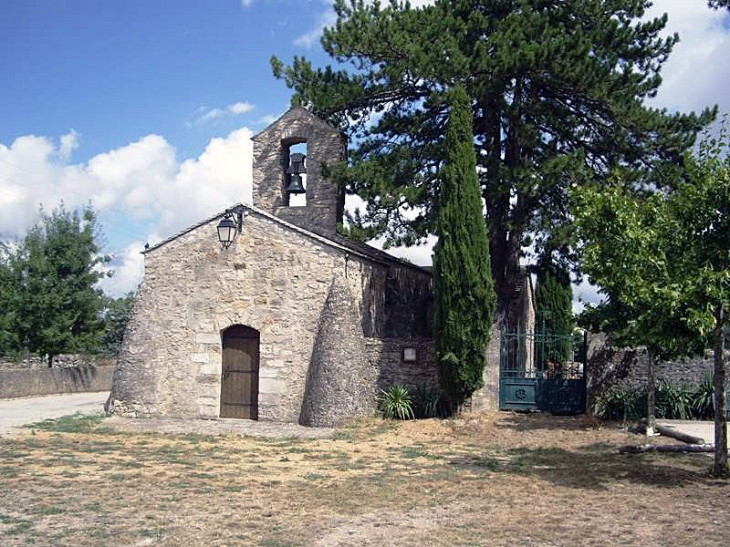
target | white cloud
x=128, y=268
x=695, y=76
x=246, y=3
x=206, y=114
x=311, y=37
x=142, y=182
x=69, y=143
x=240, y=108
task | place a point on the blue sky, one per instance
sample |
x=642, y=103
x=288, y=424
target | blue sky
x=146, y=107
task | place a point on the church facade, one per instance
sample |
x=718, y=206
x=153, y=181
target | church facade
x=291, y=322
x=287, y=320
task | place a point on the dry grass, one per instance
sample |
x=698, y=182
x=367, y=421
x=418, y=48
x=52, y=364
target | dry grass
x=503, y=479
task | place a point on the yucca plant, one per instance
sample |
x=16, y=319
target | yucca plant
x=623, y=404
x=396, y=404
x=427, y=402
x=703, y=399
x=673, y=401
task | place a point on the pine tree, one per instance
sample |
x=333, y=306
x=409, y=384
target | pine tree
x=464, y=293
x=557, y=91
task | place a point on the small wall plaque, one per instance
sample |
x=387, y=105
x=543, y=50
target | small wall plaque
x=409, y=355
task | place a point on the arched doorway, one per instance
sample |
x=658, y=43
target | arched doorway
x=240, y=373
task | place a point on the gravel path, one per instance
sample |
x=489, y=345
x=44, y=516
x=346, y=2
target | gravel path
x=18, y=412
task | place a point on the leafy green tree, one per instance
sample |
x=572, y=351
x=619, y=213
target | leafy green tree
x=115, y=315
x=8, y=341
x=554, y=305
x=556, y=88
x=464, y=293
x=719, y=4
x=664, y=264
x=57, y=307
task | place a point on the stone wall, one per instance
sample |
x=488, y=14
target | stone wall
x=610, y=367
x=32, y=382
x=385, y=358
x=273, y=278
x=487, y=398
x=59, y=361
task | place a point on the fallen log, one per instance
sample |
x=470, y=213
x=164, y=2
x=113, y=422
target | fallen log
x=642, y=448
x=684, y=437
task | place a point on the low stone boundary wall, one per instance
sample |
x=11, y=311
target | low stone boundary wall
x=610, y=367
x=48, y=381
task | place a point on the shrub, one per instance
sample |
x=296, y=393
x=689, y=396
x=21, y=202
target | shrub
x=623, y=404
x=427, y=402
x=673, y=401
x=395, y=404
x=703, y=399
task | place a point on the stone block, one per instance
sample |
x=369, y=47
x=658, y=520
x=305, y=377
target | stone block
x=266, y=372
x=208, y=338
x=199, y=357
x=208, y=412
x=210, y=368
x=271, y=386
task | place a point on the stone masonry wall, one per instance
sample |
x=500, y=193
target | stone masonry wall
x=384, y=356
x=487, y=398
x=272, y=278
x=325, y=144
x=33, y=382
x=611, y=367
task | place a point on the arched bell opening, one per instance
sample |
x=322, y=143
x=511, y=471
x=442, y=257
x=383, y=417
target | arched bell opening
x=295, y=179
x=240, y=373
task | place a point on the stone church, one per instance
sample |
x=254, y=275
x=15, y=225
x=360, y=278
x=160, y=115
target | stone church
x=264, y=312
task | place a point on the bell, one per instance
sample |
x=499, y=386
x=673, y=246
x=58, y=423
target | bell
x=295, y=185
x=297, y=166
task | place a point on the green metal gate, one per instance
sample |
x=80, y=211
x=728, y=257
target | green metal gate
x=542, y=371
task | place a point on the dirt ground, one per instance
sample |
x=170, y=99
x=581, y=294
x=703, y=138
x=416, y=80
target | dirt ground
x=496, y=480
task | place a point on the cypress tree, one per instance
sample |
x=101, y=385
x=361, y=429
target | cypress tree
x=464, y=293
x=554, y=303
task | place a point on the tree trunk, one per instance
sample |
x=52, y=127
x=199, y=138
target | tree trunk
x=650, y=397
x=642, y=448
x=720, y=467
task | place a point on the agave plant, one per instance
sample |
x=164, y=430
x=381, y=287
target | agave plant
x=396, y=404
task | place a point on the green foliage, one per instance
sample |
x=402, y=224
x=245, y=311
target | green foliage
x=115, y=315
x=719, y=4
x=463, y=288
x=673, y=402
x=554, y=304
x=396, y=404
x=703, y=400
x=427, y=403
x=52, y=305
x=623, y=404
x=556, y=88
x=663, y=261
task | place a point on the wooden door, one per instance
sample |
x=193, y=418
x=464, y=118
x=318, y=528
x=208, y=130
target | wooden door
x=240, y=373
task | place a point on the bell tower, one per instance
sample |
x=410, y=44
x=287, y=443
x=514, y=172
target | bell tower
x=287, y=171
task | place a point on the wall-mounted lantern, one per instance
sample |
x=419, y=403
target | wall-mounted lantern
x=295, y=172
x=229, y=226
x=409, y=355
